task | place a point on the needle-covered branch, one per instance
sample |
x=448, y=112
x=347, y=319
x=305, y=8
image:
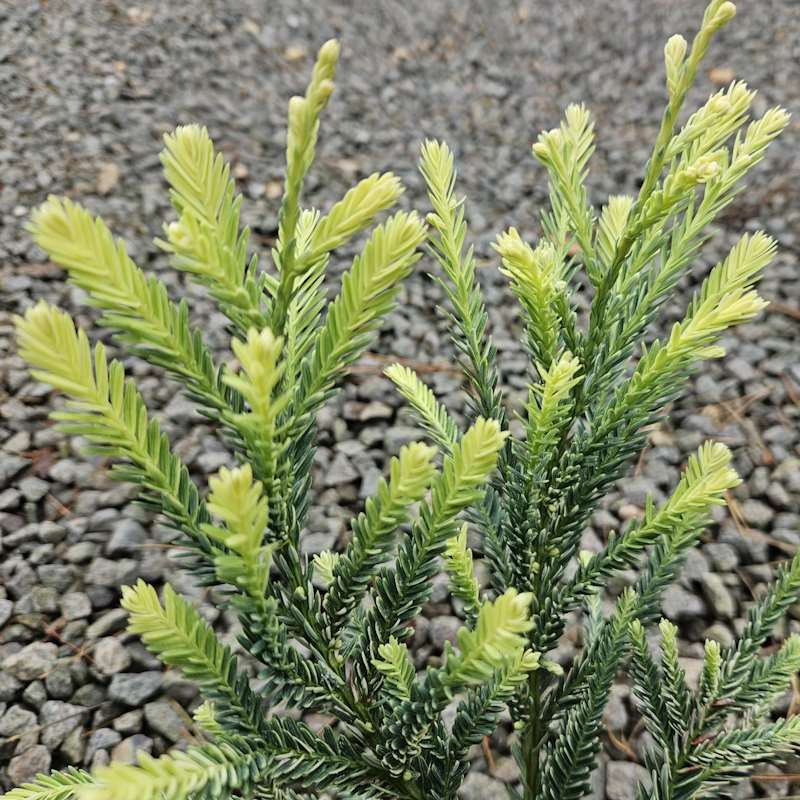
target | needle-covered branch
x=499, y=509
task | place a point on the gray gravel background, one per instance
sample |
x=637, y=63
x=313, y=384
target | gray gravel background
x=88, y=88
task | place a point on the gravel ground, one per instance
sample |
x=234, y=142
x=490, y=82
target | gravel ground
x=89, y=89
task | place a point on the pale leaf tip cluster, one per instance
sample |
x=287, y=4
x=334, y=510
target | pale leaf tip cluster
x=497, y=638
x=325, y=566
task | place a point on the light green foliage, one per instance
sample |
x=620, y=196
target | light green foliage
x=399, y=593
x=463, y=584
x=206, y=240
x=317, y=236
x=589, y=408
x=325, y=564
x=448, y=243
x=259, y=383
x=395, y=664
x=208, y=771
x=110, y=413
x=550, y=405
x=181, y=638
x=56, y=786
x=610, y=227
x=205, y=716
x=330, y=634
x=368, y=292
x=433, y=416
x=536, y=280
x=707, y=478
x=301, y=142
x=239, y=502
x=492, y=654
x=565, y=152
x=354, y=212
x=134, y=305
x=497, y=639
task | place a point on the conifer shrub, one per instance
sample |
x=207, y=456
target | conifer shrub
x=331, y=634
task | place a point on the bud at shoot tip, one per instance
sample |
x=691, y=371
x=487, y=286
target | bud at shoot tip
x=329, y=52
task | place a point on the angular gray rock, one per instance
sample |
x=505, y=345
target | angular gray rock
x=105, y=572
x=57, y=576
x=6, y=607
x=757, y=514
x=110, y=656
x=616, y=715
x=127, y=538
x=678, y=604
x=76, y=605
x=35, y=694
x=723, y=556
x=126, y=751
x=44, y=599
x=162, y=717
x=29, y=763
x=33, y=489
x=130, y=722
x=443, y=629
x=32, y=661
x=101, y=739
x=108, y=622
x=50, y=533
x=16, y=720
x=59, y=682
x=10, y=466
x=9, y=687
x=134, y=688
x=57, y=719
x=73, y=746
x=341, y=471
x=718, y=596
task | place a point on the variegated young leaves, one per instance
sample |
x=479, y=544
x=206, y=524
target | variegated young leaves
x=329, y=633
x=498, y=638
x=239, y=502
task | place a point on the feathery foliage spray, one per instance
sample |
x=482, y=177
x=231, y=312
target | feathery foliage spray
x=330, y=634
